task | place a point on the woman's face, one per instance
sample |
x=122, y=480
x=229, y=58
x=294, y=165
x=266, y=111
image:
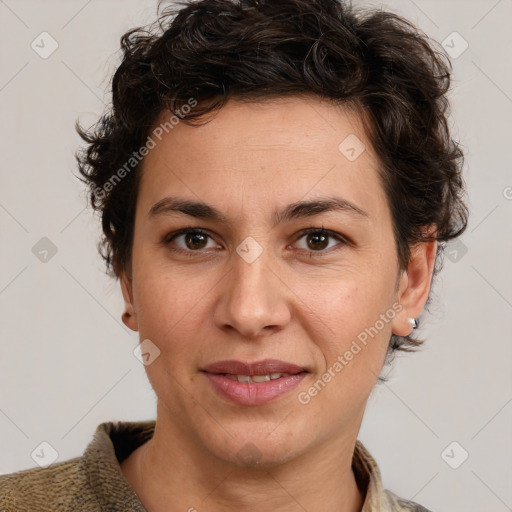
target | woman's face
x=260, y=281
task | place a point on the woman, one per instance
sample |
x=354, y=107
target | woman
x=276, y=181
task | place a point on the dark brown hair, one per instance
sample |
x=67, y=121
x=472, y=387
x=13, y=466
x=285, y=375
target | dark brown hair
x=213, y=50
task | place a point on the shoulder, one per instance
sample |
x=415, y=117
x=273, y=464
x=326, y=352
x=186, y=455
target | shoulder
x=59, y=487
x=92, y=482
x=401, y=505
x=368, y=476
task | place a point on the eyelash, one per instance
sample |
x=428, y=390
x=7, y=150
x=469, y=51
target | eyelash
x=189, y=253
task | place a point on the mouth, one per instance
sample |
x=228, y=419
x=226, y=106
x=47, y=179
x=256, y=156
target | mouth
x=257, y=368
x=257, y=378
x=254, y=383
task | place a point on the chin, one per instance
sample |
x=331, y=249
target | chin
x=258, y=450
x=255, y=454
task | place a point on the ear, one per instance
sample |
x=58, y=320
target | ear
x=129, y=316
x=414, y=286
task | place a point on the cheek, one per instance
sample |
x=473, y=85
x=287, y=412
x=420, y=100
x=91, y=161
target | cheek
x=341, y=305
x=349, y=323
x=170, y=306
x=171, y=315
x=350, y=332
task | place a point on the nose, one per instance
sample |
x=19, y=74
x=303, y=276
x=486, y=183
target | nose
x=253, y=298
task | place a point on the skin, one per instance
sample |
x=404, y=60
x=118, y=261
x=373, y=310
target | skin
x=299, y=301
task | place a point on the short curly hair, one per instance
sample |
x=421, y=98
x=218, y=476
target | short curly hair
x=213, y=50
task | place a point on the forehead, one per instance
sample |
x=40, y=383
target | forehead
x=294, y=123
x=282, y=149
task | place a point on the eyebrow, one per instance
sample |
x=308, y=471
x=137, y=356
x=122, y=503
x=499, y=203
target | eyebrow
x=297, y=210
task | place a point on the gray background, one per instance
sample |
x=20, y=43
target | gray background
x=67, y=361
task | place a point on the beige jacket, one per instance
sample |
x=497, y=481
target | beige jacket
x=94, y=482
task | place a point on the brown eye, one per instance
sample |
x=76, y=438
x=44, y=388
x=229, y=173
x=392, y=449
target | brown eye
x=191, y=240
x=195, y=240
x=318, y=240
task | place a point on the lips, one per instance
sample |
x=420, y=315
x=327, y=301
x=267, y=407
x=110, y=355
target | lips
x=265, y=367
x=237, y=381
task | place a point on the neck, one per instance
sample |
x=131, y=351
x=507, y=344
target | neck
x=172, y=465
